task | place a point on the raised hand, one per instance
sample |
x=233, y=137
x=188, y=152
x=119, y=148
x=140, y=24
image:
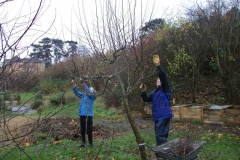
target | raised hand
x=156, y=60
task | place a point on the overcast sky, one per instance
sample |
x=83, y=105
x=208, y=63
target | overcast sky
x=64, y=12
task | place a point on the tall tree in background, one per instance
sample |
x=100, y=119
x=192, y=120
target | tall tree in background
x=152, y=25
x=183, y=52
x=219, y=22
x=46, y=51
x=58, y=51
x=37, y=51
x=71, y=48
x=43, y=51
x=204, y=44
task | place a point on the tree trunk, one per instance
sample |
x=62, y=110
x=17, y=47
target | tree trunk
x=139, y=139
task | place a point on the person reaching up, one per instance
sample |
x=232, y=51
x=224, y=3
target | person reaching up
x=161, y=106
x=85, y=111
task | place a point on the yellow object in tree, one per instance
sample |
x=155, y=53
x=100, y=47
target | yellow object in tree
x=74, y=158
x=27, y=144
x=156, y=60
x=143, y=88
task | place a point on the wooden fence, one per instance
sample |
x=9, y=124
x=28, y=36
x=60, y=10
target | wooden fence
x=227, y=115
x=231, y=116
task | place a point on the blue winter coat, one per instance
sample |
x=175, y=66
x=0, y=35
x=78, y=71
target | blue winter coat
x=160, y=104
x=86, y=102
x=160, y=98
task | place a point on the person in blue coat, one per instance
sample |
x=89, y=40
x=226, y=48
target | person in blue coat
x=85, y=111
x=161, y=107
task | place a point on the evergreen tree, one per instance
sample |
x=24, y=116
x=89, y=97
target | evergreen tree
x=43, y=51
x=58, y=51
x=71, y=48
x=37, y=51
x=152, y=25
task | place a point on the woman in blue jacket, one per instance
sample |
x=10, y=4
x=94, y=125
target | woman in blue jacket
x=85, y=111
x=160, y=98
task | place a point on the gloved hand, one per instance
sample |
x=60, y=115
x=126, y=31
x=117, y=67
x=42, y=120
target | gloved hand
x=81, y=80
x=143, y=88
x=156, y=60
x=73, y=83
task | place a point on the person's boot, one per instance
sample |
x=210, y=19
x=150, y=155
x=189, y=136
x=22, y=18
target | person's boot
x=90, y=141
x=83, y=141
x=90, y=145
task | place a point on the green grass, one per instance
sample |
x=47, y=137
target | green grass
x=68, y=110
x=221, y=146
x=26, y=96
x=113, y=115
x=123, y=147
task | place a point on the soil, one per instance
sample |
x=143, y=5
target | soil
x=14, y=123
x=69, y=128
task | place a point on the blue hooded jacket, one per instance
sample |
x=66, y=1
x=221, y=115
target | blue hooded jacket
x=86, y=102
x=160, y=98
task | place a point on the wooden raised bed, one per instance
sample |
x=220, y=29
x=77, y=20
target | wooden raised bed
x=232, y=116
x=227, y=115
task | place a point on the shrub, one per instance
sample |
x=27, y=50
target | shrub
x=39, y=96
x=36, y=103
x=70, y=97
x=7, y=96
x=197, y=122
x=57, y=99
x=12, y=96
x=1, y=100
x=219, y=100
x=49, y=85
x=17, y=97
x=40, y=110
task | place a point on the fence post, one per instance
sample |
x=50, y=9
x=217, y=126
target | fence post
x=201, y=115
x=224, y=116
x=181, y=113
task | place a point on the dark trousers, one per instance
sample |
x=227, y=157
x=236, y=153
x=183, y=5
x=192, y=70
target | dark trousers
x=86, y=120
x=161, y=131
